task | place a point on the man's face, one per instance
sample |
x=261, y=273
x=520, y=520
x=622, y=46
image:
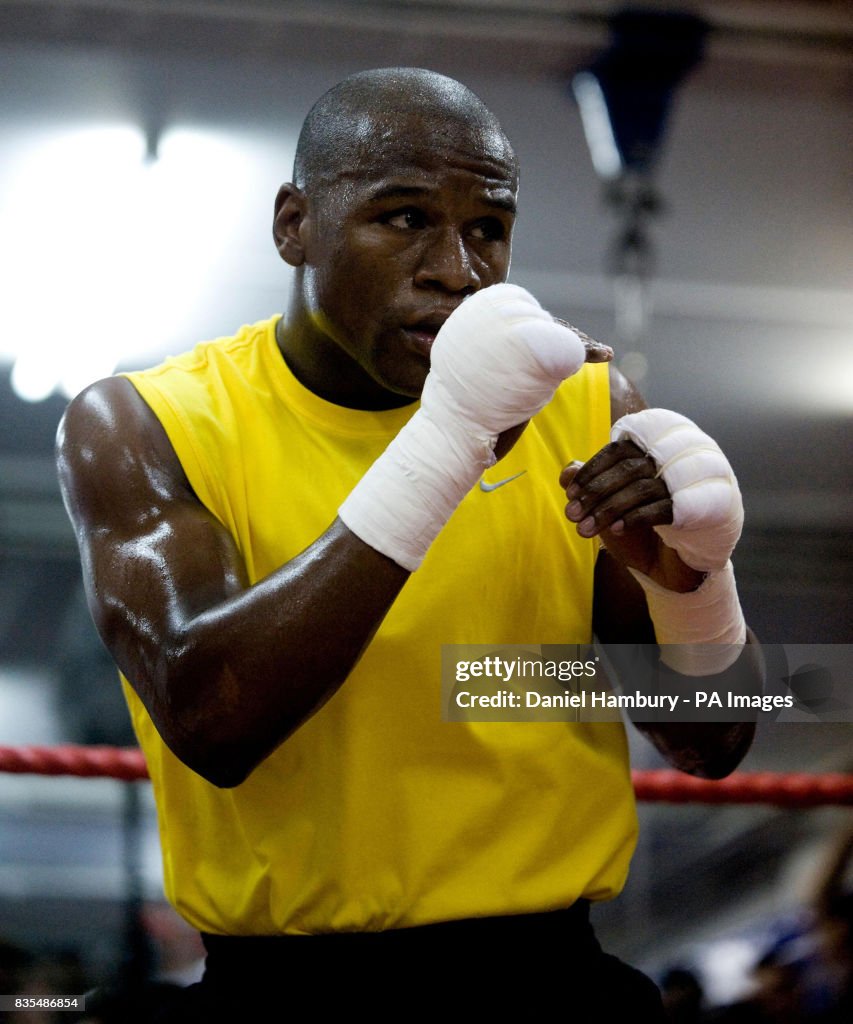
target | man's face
x=423, y=219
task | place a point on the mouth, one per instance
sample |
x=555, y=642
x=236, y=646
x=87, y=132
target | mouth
x=422, y=333
x=421, y=338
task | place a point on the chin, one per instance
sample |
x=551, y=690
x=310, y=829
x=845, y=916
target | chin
x=408, y=385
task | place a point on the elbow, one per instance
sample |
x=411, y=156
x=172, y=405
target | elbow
x=708, y=750
x=207, y=735
x=223, y=777
x=200, y=701
x=227, y=759
x=222, y=764
x=723, y=751
x=211, y=719
x=713, y=770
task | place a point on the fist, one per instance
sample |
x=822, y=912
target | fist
x=499, y=358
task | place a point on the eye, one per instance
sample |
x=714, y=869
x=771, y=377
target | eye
x=489, y=229
x=410, y=218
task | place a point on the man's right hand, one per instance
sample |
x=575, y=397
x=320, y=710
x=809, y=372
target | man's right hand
x=496, y=361
x=596, y=352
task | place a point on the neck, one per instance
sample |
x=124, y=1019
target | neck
x=322, y=366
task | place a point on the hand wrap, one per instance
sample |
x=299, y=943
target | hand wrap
x=495, y=363
x=702, y=632
x=707, y=510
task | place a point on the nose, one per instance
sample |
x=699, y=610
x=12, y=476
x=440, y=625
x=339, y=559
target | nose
x=446, y=264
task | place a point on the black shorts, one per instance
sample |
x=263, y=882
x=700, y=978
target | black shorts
x=550, y=962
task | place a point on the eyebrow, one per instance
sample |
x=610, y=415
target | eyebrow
x=504, y=202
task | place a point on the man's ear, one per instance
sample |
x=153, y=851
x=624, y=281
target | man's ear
x=288, y=229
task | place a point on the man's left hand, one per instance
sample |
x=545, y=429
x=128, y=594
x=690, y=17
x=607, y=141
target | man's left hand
x=618, y=496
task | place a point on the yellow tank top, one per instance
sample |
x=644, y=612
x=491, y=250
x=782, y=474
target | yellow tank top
x=377, y=813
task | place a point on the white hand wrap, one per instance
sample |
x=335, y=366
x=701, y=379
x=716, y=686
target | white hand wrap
x=707, y=510
x=495, y=363
x=701, y=632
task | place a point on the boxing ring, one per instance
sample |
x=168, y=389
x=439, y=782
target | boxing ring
x=782, y=789
x=792, y=791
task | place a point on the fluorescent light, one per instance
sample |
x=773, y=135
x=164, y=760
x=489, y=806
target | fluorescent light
x=104, y=251
x=598, y=130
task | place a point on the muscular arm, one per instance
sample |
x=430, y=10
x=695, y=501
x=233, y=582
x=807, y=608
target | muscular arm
x=620, y=616
x=226, y=671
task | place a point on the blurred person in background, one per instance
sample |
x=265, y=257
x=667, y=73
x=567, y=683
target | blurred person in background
x=806, y=974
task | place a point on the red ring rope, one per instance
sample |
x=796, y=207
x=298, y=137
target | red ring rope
x=125, y=763
x=795, y=789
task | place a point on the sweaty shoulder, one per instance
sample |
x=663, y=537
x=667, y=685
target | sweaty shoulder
x=108, y=439
x=625, y=398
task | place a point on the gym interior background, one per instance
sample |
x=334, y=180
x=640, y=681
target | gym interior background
x=141, y=146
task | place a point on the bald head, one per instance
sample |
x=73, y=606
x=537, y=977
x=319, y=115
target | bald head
x=368, y=115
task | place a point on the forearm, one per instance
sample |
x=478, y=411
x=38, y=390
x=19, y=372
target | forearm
x=711, y=750
x=621, y=623
x=704, y=644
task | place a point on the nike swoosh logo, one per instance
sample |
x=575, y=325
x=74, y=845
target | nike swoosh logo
x=506, y=480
